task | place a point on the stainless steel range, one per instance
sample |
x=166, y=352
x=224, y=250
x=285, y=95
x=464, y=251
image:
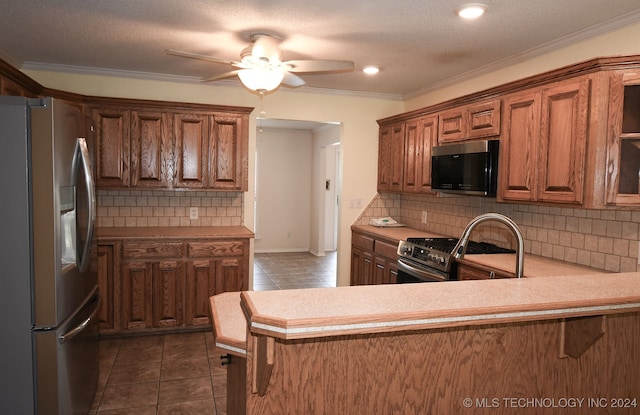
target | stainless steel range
x=431, y=259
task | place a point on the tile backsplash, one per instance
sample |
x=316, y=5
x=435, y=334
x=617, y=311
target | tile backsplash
x=603, y=239
x=137, y=208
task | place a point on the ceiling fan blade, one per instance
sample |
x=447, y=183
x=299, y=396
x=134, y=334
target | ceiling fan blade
x=192, y=55
x=320, y=65
x=292, y=80
x=222, y=76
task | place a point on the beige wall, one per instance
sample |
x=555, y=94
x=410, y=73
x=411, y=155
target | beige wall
x=623, y=41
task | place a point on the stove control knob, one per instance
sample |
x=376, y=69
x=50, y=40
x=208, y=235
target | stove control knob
x=441, y=260
x=406, y=250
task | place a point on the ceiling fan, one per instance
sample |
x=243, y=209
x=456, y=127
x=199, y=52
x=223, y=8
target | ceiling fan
x=261, y=67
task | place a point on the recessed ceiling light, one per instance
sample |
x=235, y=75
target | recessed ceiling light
x=371, y=69
x=472, y=10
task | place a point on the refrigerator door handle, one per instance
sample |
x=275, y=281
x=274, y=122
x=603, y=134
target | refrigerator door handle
x=82, y=161
x=77, y=329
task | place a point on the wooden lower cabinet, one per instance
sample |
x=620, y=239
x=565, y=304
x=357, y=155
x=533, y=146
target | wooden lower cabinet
x=155, y=285
x=477, y=272
x=373, y=260
x=206, y=278
x=106, y=263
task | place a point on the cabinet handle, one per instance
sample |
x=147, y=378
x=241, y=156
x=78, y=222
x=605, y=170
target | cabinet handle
x=492, y=275
x=367, y=260
x=225, y=359
x=380, y=266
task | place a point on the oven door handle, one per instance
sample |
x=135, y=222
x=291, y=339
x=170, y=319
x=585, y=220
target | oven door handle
x=418, y=273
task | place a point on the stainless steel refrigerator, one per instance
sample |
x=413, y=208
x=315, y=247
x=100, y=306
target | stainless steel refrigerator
x=48, y=287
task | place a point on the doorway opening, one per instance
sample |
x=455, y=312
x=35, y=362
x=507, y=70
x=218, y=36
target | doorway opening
x=297, y=194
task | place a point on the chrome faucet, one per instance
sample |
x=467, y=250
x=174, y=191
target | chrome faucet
x=461, y=247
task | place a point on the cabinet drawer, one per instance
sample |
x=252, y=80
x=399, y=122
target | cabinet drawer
x=144, y=249
x=209, y=249
x=362, y=242
x=386, y=250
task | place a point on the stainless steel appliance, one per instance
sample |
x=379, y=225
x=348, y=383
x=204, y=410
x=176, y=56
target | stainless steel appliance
x=431, y=259
x=468, y=168
x=48, y=290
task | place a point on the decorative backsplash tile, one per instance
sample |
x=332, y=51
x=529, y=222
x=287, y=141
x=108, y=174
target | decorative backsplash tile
x=603, y=239
x=135, y=208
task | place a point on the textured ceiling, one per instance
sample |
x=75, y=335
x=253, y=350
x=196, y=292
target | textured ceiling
x=418, y=43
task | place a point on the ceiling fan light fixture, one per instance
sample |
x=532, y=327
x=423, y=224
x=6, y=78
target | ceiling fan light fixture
x=371, y=69
x=258, y=79
x=472, y=10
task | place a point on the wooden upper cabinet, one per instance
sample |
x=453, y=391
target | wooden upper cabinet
x=113, y=138
x=542, y=150
x=420, y=136
x=150, y=149
x=210, y=152
x=384, y=158
x=8, y=87
x=563, y=141
x=519, y=147
x=452, y=125
x=228, y=153
x=484, y=119
x=191, y=150
x=156, y=148
x=397, y=157
x=470, y=122
x=391, y=157
x=622, y=183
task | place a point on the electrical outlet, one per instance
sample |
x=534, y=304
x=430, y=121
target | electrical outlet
x=193, y=213
x=289, y=235
x=424, y=216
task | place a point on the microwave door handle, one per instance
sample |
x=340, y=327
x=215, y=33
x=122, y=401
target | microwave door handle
x=82, y=161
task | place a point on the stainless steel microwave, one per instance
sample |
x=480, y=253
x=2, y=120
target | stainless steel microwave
x=467, y=168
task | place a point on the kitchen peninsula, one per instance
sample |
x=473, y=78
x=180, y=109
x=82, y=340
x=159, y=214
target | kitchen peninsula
x=440, y=348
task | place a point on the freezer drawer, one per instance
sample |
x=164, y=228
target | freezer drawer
x=67, y=364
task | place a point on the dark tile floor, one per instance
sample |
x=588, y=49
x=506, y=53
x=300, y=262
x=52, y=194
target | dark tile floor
x=181, y=373
x=281, y=271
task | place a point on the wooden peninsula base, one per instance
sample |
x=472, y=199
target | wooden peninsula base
x=572, y=364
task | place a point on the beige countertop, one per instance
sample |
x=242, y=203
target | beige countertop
x=534, y=266
x=395, y=234
x=323, y=312
x=194, y=232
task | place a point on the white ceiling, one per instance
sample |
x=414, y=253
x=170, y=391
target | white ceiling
x=419, y=44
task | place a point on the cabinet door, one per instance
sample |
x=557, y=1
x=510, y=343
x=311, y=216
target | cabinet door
x=229, y=275
x=384, y=158
x=136, y=295
x=227, y=154
x=361, y=266
x=151, y=149
x=623, y=141
x=484, y=119
x=167, y=293
x=191, y=150
x=112, y=146
x=519, y=147
x=8, y=87
x=385, y=271
x=452, y=125
x=106, y=284
x=201, y=284
x=563, y=140
x=429, y=138
x=397, y=157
